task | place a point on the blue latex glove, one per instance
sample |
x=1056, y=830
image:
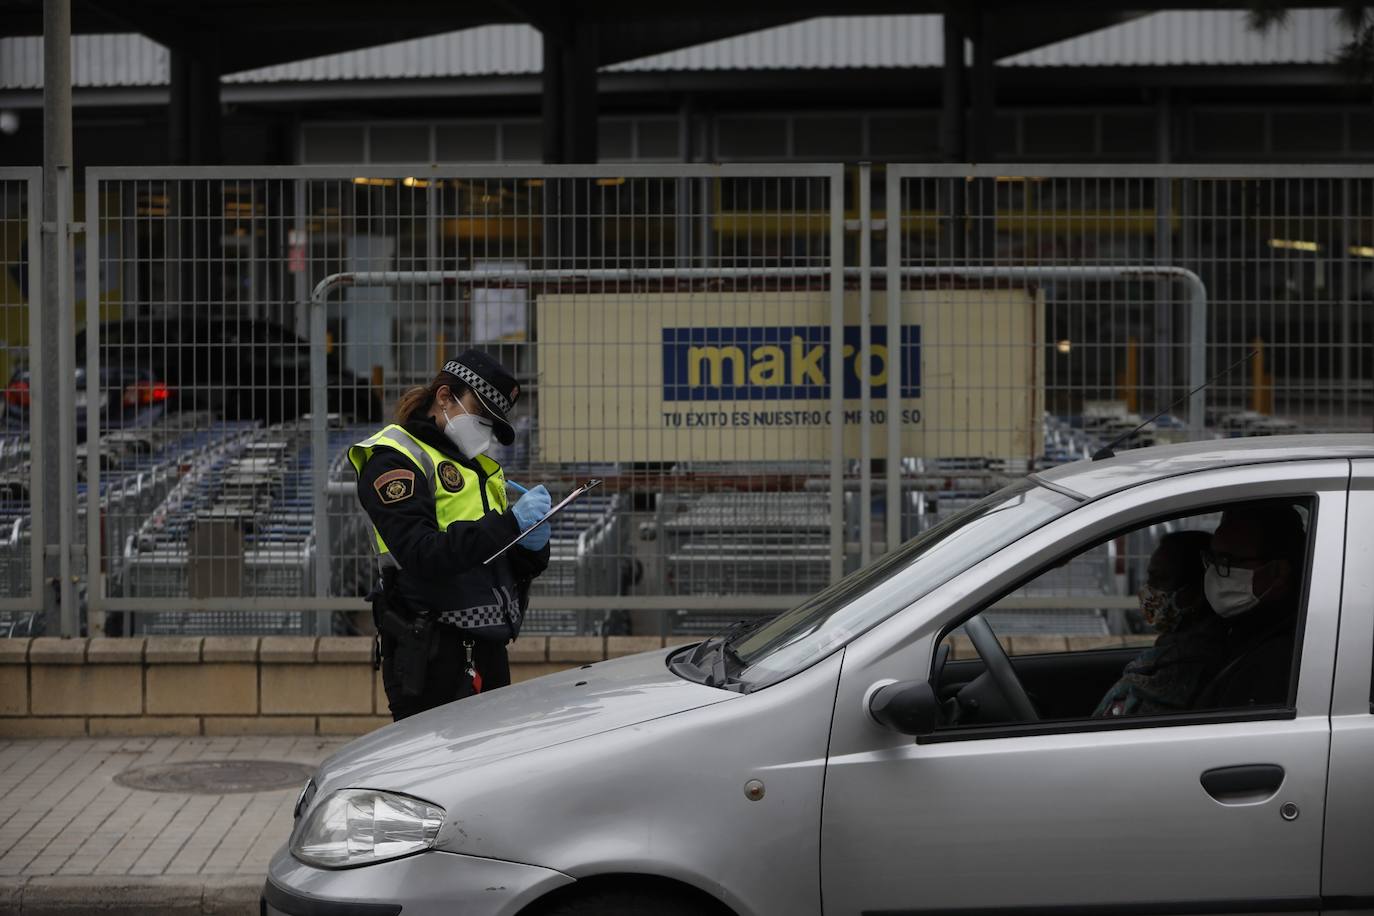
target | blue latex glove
x=537, y=538
x=529, y=509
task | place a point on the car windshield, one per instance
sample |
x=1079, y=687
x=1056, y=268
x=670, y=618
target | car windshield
x=798, y=638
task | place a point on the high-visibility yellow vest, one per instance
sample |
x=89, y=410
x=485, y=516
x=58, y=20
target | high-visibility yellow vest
x=457, y=489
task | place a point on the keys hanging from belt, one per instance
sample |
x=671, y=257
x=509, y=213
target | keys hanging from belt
x=471, y=670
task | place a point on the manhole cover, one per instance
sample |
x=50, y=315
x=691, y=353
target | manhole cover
x=216, y=777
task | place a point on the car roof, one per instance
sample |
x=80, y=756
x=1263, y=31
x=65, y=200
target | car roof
x=1095, y=479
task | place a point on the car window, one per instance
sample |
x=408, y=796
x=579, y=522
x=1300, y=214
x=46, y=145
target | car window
x=1183, y=615
x=799, y=637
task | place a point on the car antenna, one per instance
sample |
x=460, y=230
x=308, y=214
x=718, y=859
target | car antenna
x=1106, y=450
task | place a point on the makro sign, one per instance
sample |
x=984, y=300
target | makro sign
x=781, y=363
x=746, y=376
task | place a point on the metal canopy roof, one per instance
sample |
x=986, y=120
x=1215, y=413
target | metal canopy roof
x=1195, y=37
x=249, y=34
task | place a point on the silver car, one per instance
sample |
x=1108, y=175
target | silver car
x=879, y=750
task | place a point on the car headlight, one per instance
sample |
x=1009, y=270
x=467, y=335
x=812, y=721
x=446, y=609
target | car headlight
x=362, y=826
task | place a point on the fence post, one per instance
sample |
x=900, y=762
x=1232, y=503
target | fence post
x=38, y=472
x=863, y=362
x=95, y=583
x=1346, y=277
x=1164, y=298
x=837, y=514
x=319, y=449
x=893, y=189
x=1197, y=352
x=301, y=320
x=66, y=408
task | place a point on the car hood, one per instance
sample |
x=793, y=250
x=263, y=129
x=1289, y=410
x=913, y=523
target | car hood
x=524, y=717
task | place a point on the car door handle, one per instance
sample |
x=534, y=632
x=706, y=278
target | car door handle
x=1253, y=782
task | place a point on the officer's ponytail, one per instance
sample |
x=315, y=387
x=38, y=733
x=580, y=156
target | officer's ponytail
x=417, y=401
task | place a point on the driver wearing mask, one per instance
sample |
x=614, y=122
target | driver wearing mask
x=1252, y=581
x=1167, y=677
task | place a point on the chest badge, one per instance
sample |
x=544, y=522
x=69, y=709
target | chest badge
x=450, y=477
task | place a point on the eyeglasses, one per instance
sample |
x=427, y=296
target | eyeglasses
x=1223, y=563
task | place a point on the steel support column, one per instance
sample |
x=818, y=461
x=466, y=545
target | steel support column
x=982, y=202
x=953, y=133
x=57, y=446
x=569, y=94
x=570, y=136
x=551, y=97
x=194, y=121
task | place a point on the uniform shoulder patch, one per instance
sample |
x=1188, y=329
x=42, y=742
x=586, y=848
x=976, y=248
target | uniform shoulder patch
x=450, y=477
x=394, y=486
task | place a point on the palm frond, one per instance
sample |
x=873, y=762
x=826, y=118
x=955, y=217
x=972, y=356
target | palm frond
x=1266, y=14
x=1355, y=16
x=1356, y=56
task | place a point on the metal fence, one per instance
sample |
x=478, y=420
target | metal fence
x=21, y=477
x=780, y=371
x=259, y=323
x=1143, y=284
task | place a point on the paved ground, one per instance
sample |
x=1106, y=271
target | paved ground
x=74, y=841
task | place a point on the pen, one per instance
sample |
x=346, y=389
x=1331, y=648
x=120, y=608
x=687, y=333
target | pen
x=516, y=487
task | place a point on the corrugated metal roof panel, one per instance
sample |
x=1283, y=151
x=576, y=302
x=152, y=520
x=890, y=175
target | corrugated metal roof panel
x=1203, y=37
x=492, y=50
x=823, y=43
x=97, y=61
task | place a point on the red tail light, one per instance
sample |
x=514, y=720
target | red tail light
x=17, y=394
x=143, y=393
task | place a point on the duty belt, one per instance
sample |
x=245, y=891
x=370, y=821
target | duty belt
x=485, y=615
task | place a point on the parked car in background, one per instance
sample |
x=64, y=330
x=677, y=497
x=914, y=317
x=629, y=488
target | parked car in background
x=237, y=370
x=131, y=397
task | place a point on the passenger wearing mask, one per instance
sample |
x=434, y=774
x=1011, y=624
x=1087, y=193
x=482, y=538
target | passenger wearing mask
x=1168, y=676
x=1253, y=582
x=440, y=509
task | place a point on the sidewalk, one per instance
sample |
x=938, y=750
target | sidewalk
x=72, y=840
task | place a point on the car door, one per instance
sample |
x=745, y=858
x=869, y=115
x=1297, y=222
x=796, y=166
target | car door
x=1087, y=813
x=1347, y=879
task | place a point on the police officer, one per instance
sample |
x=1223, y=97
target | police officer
x=440, y=508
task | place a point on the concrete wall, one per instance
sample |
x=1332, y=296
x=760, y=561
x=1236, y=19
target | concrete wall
x=227, y=685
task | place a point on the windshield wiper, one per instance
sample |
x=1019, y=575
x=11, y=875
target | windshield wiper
x=725, y=654
x=720, y=668
x=710, y=660
x=688, y=669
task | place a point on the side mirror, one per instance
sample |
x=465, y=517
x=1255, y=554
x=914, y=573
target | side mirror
x=906, y=707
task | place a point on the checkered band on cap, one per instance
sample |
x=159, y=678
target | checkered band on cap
x=484, y=388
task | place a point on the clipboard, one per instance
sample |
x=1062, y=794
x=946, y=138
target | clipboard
x=559, y=507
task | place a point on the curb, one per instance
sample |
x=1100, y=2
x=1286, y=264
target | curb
x=130, y=895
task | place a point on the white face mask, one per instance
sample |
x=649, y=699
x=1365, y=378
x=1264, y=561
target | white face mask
x=472, y=434
x=1233, y=595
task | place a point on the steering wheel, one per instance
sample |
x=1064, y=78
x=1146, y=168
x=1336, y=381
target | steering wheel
x=999, y=668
